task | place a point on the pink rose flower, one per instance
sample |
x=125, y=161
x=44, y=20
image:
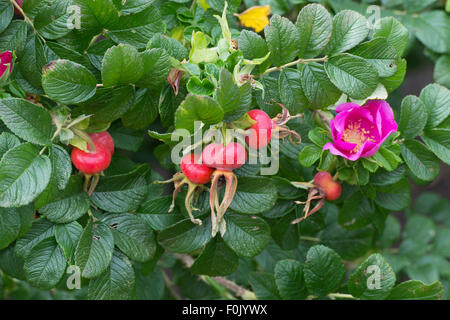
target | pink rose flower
x=5, y=64
x=359, y=131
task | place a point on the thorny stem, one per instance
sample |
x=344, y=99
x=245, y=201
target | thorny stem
x=27, y=20
x=293, y=63
x=239, y=291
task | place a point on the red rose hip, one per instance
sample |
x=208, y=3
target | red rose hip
x=91, y=162
x=224, y=157
x=262, y=129
x=322, y=178
x=333, y=191
x=105, y=139
x=195, y=171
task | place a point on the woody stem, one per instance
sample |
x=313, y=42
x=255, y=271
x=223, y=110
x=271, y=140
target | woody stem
x=293, y=63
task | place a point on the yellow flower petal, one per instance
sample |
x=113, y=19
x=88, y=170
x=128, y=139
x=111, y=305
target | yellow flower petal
x=255, y=17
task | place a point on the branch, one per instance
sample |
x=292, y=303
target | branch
x=293, y=63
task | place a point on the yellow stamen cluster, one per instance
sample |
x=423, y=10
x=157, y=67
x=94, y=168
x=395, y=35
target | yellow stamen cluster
x=354, y=133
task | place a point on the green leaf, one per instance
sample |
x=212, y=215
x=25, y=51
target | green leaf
x=309, y=155
x=24, y=174
x=373, y=279
x=417, y=290
x=27, y=120
x=352, y=75
x=6, y=14
x=41, y=229
x=61, y=171
x=94, y=251
x=68, y=82
x=252, y=45
x=349, y=29
x=132, y=6
x=317, y=87
x=200, y=53
x=380, y=54
x=136, y=29
x=97, y=14
x=393, y=82
x=7, y=142
x=264, y=286
x=9, y=226
x=116, y=282
x=282, y=40
x=394, y=32
x=67, y=237
x=156, y=68
x=230, y=97
x=442, y=71
x=217, y=259
x=197, y=108
x=438, y=140
x=314, y=25
x=394, y=197
x=431, y=29
x=290, y=280
x=200, y=87
x=246, y=235
x=13, y=38
x=121, y=65
x=324, y=270
x=436, y=99
x=291, y=91
x=51, y=21
x=132, y=236
x=69, y=204
x=254, y=195
x=185, y=236
x=121, y=193
x=357, y=211
x=423, y=164
x=172, y=46
x=109, y=104
x=413, y=117
x=386, y=158
x=143, y=112
x=32, y=62
x=45, y=264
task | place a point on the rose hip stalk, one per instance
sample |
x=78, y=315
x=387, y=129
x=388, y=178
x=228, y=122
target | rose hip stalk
x=224, y=158
x=97, y=159
x=193, y=174
x=324, y=187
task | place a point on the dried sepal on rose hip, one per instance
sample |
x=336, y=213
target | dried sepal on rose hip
x=194, y=174
x=323, y=187
x=224, y=158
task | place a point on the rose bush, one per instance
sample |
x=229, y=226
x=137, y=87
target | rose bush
x=281, y=127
